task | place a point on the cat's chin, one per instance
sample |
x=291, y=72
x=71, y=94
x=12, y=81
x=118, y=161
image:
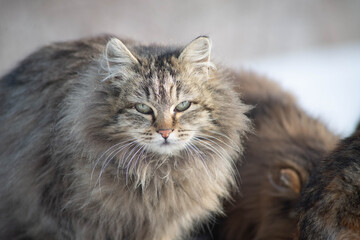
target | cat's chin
x=167, y=148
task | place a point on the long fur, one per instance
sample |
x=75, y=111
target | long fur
x=329, y=205
x=279, y=156
x=77, y=161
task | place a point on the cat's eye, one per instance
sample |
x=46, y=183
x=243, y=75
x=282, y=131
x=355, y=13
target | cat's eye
x=182, y=106
x=143, y=108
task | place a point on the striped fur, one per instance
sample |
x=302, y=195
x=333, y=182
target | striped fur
x=78, y=161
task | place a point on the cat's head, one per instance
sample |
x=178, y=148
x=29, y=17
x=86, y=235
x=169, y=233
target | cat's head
x=159, y=109
x=168, y=99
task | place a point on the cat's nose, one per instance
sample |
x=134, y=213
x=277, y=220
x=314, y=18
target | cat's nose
x=165, y=132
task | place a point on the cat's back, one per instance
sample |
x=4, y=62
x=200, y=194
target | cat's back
x=329, y=205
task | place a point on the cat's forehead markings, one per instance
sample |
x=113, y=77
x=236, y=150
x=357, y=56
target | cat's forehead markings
x=173, y=93
x=168, y=82
x=155, y=87
x=163, y=87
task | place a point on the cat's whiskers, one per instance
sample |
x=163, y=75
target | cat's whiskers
x=126, y=155
x=200, y=154
x=197, y=150
x=140, y=156
x=232, y=144
x=187, y=151
x=142, y=172
x=236, y=145
x=104, y=153
x=130, y=162
x=213, y=149
x=116, y=151
x=109, y=158
x=237, y=149
x=191, y=150
x=209, y=144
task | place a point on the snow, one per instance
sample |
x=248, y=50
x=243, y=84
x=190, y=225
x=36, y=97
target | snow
x=326, y=82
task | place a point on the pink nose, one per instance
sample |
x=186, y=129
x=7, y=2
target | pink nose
x=165, y=132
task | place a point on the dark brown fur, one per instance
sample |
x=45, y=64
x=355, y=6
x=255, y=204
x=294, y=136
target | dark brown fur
x=330, y=204
x=286, y=146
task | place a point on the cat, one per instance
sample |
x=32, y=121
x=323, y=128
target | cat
x=329, y=206
x=110, y=139
x=279, y=156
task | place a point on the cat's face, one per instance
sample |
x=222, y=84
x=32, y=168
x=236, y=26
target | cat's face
x=164, y=119
x=162, y=103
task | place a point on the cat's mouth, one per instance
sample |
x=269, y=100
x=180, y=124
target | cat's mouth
x=166, y=146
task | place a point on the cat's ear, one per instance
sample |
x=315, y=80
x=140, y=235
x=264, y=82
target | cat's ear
x=286, y=180
x=117, y=53
x=118, y=58
x=291, y=179
x=197, y=53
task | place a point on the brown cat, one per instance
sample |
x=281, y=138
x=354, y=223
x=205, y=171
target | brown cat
x=105, y=141
x=286, y=146
x=330, y=204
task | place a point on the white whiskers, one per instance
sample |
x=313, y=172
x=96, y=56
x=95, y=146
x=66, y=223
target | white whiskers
x=130, y=162
x=102, y=155
x=200, y=154
x=118, y=148
x=233, y=143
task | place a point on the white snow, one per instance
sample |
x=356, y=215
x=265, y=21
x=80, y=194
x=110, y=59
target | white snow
x=326, y=82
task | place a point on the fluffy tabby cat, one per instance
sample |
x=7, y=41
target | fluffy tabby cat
x=105, y=141
x=279, y=156
x=330, y=204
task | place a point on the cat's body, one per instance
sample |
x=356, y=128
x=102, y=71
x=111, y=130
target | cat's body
x=102, y=141
x=329, y=207
x=279, y=156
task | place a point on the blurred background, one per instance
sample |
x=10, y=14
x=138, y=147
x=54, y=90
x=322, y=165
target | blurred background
x=310, y=47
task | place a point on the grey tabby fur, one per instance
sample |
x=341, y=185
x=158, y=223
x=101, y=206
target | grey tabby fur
x=78, y=161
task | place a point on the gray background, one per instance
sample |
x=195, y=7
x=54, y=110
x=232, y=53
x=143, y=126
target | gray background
x=253, y=33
